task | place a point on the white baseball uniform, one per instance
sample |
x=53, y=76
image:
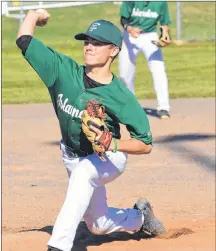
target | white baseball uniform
x=70, y=89
x=86, y=199
x=145, y=15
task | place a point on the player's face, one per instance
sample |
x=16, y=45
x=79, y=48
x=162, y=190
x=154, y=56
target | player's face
x=97, y=53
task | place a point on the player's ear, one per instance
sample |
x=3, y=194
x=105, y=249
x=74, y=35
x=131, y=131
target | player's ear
x=115, y=51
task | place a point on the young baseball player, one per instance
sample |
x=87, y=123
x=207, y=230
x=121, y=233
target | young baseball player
x=71, y=86
x=139, y=20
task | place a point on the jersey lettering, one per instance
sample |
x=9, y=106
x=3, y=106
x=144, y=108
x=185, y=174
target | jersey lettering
x=138, y=13
x=67, y=108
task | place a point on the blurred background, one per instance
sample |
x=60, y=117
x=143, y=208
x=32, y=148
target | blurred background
x=190, y=60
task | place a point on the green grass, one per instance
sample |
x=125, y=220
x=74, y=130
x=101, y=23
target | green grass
x=190, y=67
x=197, y=20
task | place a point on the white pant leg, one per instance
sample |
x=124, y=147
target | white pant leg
x=127, y=60
x=88, y=175
x=78, y=196
x=155, y=60
x=102, y=219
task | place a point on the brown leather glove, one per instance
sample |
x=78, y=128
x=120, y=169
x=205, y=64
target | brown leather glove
x=164, y=39
x=94, y=115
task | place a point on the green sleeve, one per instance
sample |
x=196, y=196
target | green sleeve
x=134, y=117
x=44, y=61
x=126, y=9
x=164, y=15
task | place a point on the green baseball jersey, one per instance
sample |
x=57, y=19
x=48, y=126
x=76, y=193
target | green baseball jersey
x=64, y=79
x=145, y=15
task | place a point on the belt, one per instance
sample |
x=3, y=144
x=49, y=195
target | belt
x=71, y=152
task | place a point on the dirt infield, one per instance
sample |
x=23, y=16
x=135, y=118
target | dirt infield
x=178, y=177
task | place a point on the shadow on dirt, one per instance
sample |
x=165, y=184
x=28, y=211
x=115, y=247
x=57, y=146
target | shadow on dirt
x=176, y=144
x=85, y=238
x=166, y=139
x=184, y=138
x=53, y=143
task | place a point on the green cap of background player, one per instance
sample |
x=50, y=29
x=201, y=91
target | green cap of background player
x=103, y=31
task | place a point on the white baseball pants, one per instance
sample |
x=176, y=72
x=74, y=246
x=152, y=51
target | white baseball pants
x=86, y=199
x=127, y=65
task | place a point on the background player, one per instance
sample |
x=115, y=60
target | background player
x=70, y=86
x=139, y=20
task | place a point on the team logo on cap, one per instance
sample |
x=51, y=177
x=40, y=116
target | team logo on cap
x=94, y=26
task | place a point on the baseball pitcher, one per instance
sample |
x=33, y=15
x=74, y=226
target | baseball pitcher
x=90, y=102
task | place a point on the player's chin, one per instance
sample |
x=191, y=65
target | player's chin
x=89, y=63
x=92, y=63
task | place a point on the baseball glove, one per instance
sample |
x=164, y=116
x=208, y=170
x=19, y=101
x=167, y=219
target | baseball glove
x=164, y=39
x=94, y=115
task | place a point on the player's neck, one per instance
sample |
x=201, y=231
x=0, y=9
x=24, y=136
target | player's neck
x=101, y=75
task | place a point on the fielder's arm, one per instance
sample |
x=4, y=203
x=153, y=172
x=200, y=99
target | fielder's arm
x=134, y=31
x=33, y=18
x=131, y=146
x=44, y=60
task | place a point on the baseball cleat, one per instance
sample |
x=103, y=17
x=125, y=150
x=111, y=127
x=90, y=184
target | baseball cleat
x=163, y=114
x=151, y=225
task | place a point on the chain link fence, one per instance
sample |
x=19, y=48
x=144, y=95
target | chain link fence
x=196, y=20
x=191, y=21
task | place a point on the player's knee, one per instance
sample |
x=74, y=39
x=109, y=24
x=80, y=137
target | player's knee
x=99, y=226
x=98, y=230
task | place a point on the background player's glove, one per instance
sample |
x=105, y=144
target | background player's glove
x=94, y=115
x=164, y=39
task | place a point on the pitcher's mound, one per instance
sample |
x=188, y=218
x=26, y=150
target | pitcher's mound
x=175, y=233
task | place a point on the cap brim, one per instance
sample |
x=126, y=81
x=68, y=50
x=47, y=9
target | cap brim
x=84, y=36
x=80, y=36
